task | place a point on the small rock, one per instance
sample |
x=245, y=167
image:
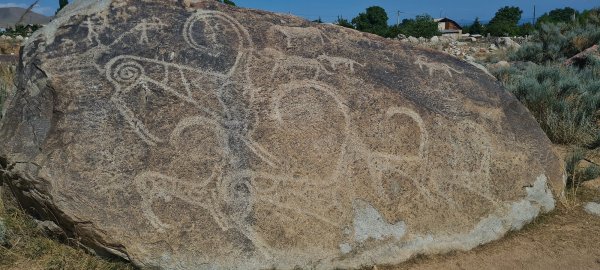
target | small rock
x=401, y=36
x=593, y=208
x=422, y=40
x=493, y=47
x=19, y=38
x=413, y=39
x=592, y=184
x=499, y=65
x=507, y=43
x=435, y=39
x=49, y=228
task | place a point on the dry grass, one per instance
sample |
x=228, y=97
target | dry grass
x=29, y=248
x=7, y=74
x=9, y=46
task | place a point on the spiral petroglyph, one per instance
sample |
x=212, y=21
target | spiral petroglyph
x=128, y=72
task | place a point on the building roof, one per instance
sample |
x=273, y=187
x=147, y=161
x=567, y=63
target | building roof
x=438, y=20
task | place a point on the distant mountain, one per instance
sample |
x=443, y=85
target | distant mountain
x=9, y=16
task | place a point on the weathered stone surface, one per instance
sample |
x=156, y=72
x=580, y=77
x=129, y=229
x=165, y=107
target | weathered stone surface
x=507, y=43
x=592, y=208
x=186, y=135
x=592, y=184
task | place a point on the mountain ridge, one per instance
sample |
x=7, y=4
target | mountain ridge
x=9, y=16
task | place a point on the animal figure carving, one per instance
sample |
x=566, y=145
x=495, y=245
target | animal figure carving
x=298, y=33
x=422, y=61
x=336, y=61
x=292, y=62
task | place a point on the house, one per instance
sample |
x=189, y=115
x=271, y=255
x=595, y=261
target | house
x=448, y=27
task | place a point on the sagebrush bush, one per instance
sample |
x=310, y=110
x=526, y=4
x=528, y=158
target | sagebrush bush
x=564, y=100
x=576, y=173
x=554, y=42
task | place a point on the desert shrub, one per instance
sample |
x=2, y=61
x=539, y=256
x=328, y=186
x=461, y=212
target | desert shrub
x=578, y=171
x=553, y=42
x=564, y=100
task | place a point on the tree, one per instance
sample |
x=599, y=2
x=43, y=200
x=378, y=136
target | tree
x=526, y=29
x=374, y=20
x=228, y=2
x=475, y=28
x=343, y=22
x=590, y=16
x=505, y=22
x=62, y=4
x=558, y=15
x=420, y=26
x=318, y=20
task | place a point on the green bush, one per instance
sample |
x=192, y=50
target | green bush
x=21, y=30
x=556, y=42
x=505, y=22
x=373, y=20
x=558, y=15
x=564, y=100
x=420, y=26
x=576, y=172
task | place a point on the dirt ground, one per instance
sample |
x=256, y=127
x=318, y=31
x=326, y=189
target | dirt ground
x=568, y=238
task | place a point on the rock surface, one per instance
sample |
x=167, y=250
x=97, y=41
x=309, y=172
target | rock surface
x=194, y=135
x=592, y=184
x=507, y=43
x=592, y=208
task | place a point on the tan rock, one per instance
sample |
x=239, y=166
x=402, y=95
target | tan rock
x=592, y=184
x=208, y=136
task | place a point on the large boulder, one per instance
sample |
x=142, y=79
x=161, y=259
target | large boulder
x=191, y=134
x=507, y=43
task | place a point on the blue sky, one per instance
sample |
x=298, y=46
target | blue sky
x=329, y=10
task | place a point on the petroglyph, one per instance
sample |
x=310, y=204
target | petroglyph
x=127, y=73
x=211, y=25
x=92, y=34
x=337, y=61
x=468, y=171
x=422, y=61
x=67, y=44
x=255, y=145
x=145, y=26
x=408, y=166
x=288, y=63
x=302, y=34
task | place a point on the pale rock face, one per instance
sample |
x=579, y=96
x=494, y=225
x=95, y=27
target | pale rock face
x=194, y=135
x=507, y=43
x=412, y=39
x=592, y=208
